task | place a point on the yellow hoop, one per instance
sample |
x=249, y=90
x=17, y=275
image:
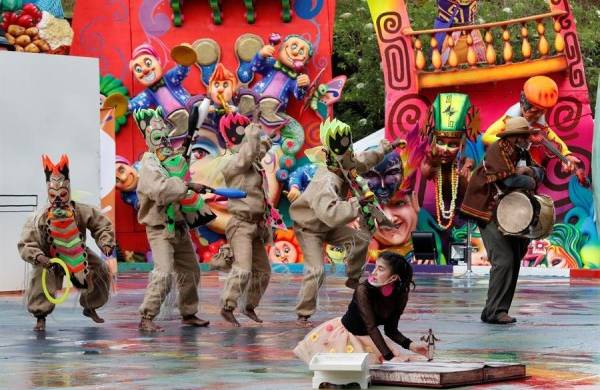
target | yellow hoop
x=63, y=297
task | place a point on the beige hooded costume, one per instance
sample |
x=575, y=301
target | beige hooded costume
x=321, y=215
x=247, y=231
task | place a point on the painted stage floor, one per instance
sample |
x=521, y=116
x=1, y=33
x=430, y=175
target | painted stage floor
x=557, y=335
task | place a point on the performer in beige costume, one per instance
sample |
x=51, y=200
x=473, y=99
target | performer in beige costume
x=172, y=250
x=322, y=214
x=59, y=230
x=249, y=228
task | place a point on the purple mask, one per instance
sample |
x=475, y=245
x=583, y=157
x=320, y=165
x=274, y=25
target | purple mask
x=384, y=180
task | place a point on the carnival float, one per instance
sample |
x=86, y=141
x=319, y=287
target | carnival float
x=448, y=90
x=479, y=74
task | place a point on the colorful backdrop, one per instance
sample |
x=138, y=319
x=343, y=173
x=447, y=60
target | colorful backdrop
x=109, y=30
x=414, y=76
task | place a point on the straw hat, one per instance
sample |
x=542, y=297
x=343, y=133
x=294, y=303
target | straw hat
x=517, y=126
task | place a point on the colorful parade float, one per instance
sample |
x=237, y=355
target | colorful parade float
x=456, y=83
x=448, y=90
x=170, y=54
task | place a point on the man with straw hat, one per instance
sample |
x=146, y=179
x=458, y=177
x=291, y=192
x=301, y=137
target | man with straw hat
x=507, y=166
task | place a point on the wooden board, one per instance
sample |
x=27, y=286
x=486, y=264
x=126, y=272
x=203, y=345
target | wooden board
x=439, y=374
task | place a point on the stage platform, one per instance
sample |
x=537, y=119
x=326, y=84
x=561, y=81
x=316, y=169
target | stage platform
x=557, y=336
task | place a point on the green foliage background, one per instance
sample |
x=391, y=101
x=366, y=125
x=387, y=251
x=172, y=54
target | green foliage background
x=356, y=53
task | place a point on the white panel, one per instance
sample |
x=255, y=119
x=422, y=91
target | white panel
x=48, y=104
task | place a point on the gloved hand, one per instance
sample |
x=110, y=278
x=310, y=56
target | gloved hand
x=266, y=143
x=197, y=187
x=107, y=250
x=43, y=261
x=354, y=202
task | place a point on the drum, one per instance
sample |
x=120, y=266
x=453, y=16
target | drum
x=523, y=215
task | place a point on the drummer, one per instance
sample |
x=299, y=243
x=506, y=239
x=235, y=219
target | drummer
x=507, y=166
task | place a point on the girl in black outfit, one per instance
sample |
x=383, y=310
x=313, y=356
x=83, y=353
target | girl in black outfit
x=380, y=300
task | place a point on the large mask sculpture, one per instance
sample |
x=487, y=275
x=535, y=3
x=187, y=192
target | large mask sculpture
x=394, y=191
x=450, y=126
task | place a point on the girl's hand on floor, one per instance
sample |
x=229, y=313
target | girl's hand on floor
x=420, y=348
x=400, y=359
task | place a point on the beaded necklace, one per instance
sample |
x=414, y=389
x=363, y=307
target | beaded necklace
x=440, y=207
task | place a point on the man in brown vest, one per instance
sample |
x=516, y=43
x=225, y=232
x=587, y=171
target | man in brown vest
x=507, y=166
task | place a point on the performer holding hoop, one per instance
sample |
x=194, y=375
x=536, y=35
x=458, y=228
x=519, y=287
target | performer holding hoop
x=59, y=231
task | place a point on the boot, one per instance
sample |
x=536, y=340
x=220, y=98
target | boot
x=304, y=322
x=194, y=321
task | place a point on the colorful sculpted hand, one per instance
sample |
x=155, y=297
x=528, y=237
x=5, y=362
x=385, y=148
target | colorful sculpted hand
x=267, y=51
x=572, y=164
x=303, y=80
x=293, y=194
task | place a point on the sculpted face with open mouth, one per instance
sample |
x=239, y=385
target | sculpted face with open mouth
x=294, y=53
x=403, y=213
x=147, y=69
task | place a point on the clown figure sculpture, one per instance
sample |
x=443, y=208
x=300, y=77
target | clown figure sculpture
x=164, y=89
x=58, y=231
x=539, y=94
x=222, y=88
x=282, y=77
x=126, y=178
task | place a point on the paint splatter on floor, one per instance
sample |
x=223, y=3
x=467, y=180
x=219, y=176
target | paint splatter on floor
x=557, y=335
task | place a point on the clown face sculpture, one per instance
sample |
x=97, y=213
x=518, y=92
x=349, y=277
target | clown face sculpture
x=283, y=252
x=294, y=52
x=146, y=68
x=222, y=86
x=126, y=176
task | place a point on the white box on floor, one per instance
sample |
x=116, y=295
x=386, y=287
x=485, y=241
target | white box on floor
x=340, y=369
